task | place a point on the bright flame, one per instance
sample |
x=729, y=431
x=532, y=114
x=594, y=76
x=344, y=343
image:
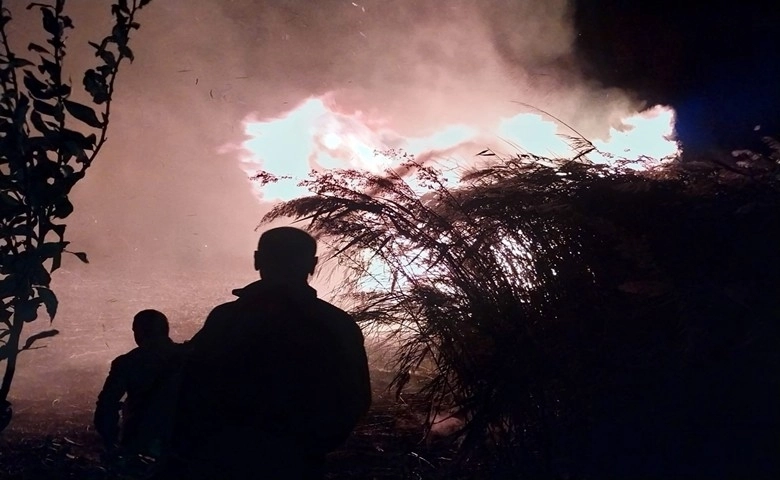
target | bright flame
x=648, y=138
x=315, y=135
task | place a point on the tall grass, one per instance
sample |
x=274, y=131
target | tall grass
x=576, y=316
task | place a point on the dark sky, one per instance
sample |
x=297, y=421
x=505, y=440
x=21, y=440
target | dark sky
x=716, y=62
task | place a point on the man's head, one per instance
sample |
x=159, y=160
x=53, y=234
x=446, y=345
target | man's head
x=149, y=325
x=286, y=255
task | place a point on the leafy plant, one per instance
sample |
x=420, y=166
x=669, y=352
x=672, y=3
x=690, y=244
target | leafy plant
x=48, y=140
x=547, y=301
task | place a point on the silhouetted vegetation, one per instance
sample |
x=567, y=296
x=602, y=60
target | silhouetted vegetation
x=44, y=152
x=581, y=319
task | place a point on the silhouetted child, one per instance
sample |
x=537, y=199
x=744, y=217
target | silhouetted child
x=148, y=378
x=275, y=379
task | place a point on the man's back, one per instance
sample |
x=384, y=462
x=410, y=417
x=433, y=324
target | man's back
x=275, y=367
x=148, y=376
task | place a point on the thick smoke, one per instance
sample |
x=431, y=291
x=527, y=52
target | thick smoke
x=161, y=195
x=425, y=64
x=168, y=221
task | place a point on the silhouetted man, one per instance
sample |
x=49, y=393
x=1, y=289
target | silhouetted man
x=148, y=376
x=276, y=378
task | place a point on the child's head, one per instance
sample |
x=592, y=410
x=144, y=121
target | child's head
x=149, y=325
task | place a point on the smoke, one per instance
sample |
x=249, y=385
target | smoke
x=166, y=205
x=165, y=194
x=421, y=65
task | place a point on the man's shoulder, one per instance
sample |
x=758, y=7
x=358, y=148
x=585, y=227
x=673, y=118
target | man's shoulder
x=219, y=323
x=126, y=359
x=223, y=311
x=337, y=317
x=332, y=311
x=139, y=354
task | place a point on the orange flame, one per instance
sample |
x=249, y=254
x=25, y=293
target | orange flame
x=315, y=135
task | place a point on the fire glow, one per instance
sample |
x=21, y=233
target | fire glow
x=316, y=135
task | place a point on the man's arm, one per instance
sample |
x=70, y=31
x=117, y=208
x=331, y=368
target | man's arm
x=362, y=374
x=109, y=403
x=196, y=393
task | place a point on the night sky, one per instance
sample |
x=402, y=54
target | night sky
x=716, y=62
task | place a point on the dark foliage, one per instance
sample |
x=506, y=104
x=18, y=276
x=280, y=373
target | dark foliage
x=581, y=320
x=44, y=152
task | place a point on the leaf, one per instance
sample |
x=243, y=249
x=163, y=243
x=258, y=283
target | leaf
x=50, y=249
x=8, y=200
x=83, y=113
x=49, y=299
x=34, y=47
x=61, y=90
x=71, y=150
x=22, y=106
x=63, y=208
x=39, y=124
x=81, y=256
x=34, y=338
x=39, y=276
x=95, y=84
x=59, y=229
x=37, y=88
x=107, y=57
x=119, y=32
x=26, y=310
x=50, y=22
x=45, y=108
x=126, y=52
x=56, y=263
x=78, y=139
x=50, y=68
x=20, y=62
x=143, y=3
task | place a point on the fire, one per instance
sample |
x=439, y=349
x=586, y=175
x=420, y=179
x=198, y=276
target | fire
x=647, y=138
x=316, y=135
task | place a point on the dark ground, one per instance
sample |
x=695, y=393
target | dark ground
x=60, y=444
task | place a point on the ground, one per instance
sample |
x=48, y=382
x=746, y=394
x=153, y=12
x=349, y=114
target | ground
x=388, y=444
